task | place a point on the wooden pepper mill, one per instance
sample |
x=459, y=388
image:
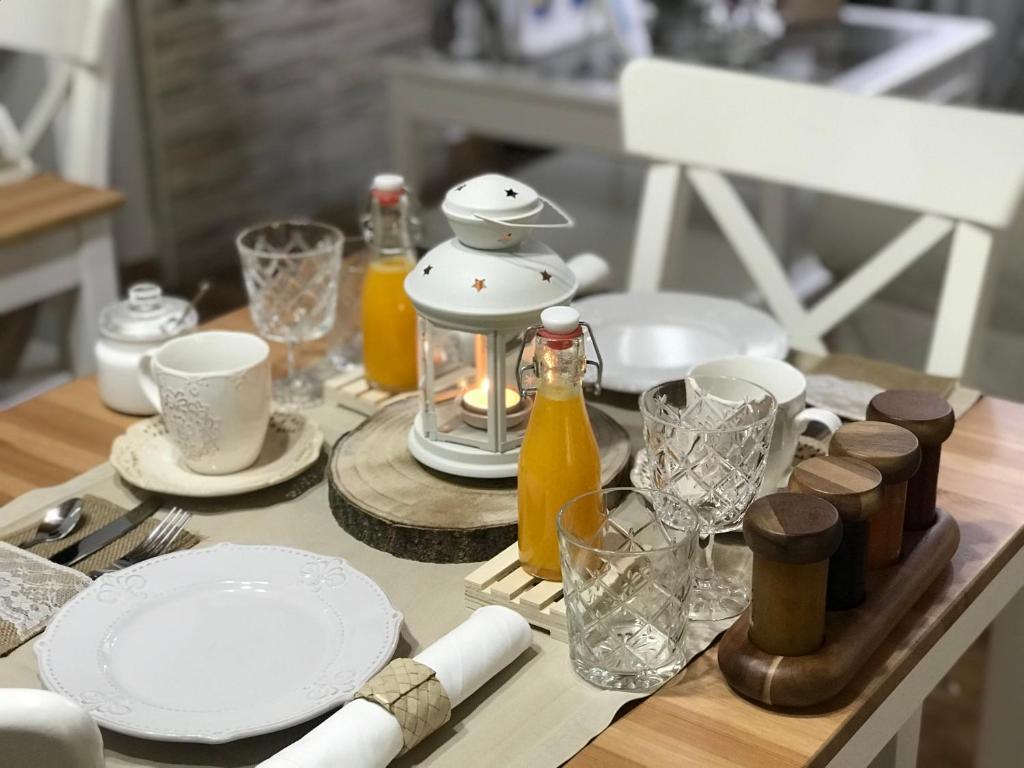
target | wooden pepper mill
x=792, y=536
x=895, y=453
x=854, y=488
x=931, y=420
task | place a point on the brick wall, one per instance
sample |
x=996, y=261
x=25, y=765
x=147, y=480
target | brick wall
x=264, y=108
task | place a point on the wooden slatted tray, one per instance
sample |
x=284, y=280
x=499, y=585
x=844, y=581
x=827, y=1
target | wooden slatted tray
x=352, y=390
x=500, y=581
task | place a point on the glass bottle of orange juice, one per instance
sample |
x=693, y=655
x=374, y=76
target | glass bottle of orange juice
x=388, y=317
x=559, y=459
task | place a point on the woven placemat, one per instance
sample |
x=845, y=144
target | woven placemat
x=96, y=513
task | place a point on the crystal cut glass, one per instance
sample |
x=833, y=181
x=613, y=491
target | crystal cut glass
x=291, y=272
x=626, y=578
x=707, y=438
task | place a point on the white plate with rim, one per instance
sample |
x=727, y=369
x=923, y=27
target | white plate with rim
x=220, y=643
x=146, y=457
x=650, y=338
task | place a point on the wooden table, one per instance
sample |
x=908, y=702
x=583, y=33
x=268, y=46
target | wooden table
x=698, y=720
x=56, y=236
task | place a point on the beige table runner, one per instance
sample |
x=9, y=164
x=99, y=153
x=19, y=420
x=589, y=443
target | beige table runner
x=536, y=713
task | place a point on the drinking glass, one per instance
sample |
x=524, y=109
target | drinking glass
x=291, y=276
x=707, y=438
x=345, y=339
x=627, y=577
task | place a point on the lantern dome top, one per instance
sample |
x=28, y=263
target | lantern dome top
x=466, y=288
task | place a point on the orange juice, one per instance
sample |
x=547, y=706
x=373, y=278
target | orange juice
x=559, y=458
x=389, y=325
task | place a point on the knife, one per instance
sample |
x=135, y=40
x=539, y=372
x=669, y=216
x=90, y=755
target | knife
x=98, y=539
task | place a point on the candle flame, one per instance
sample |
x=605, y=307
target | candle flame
x=477, y=397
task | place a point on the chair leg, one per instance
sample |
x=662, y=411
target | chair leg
x=966, y=290
x=98, y=287
x=1000, y=739
x=661, y=229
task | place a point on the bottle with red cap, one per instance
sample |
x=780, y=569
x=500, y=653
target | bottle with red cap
x=559, y=458
x=388, y=317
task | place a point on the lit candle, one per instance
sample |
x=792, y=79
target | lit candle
x=477, y=398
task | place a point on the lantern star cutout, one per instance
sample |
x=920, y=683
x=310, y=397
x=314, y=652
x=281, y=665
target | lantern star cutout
x=511, y=193
x=479, y=284
x=545, y=276
x=427, y=269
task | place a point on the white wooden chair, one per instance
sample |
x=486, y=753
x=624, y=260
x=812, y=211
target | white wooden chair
x=39, y=729
x=962, y=169
x=73, y=251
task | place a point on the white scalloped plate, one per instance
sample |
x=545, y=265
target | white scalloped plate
x=146, y=457
x=220, y=643
x=650, y=338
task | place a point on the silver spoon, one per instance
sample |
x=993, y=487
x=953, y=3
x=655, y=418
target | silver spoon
x=176, y=322
x=57, y=523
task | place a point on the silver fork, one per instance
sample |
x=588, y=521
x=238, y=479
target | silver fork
x=160, y=540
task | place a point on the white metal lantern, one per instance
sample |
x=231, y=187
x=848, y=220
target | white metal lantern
x=475, y=295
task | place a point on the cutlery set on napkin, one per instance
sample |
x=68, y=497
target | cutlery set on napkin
x=45, y=566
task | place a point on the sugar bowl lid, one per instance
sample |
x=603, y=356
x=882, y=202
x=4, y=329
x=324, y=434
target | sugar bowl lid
x=147, y=315
x=491, y=195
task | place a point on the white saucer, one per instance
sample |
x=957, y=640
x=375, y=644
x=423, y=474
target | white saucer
x=145, y=457
x=650, y=338
x=219, y=643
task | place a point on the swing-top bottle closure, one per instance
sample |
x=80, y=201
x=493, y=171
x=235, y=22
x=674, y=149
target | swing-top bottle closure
x=560, y=327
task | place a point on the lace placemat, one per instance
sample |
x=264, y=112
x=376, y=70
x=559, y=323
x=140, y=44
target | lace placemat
x=33, y=589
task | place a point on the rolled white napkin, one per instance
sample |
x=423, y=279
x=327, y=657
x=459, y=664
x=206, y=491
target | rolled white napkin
x=364, y=735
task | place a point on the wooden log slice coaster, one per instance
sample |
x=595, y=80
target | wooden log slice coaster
x=384, y=497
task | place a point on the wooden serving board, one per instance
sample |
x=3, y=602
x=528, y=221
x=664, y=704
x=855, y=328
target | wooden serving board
x=851, y=637
x=384, y=497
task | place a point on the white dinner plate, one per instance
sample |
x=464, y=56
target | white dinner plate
x=216, y=644
x=650, y=338
x=146, y=457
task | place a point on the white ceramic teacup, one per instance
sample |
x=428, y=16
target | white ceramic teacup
x=789, y=387
x=213, y=390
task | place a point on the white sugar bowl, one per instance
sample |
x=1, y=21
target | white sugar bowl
x=129, y=329
x=493, y=212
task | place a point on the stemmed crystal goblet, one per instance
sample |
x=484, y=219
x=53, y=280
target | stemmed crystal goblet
x=707, y=438
x=291, y=272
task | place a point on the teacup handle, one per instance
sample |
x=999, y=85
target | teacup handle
x=147, y=381
x=809, y=416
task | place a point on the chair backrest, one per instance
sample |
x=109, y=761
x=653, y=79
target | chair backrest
x=76, y=38
x=962, y=168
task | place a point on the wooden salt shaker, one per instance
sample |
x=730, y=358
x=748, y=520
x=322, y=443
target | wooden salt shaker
x=792, y=536
x=895, y=453
x=931, y=420
x=854, y=488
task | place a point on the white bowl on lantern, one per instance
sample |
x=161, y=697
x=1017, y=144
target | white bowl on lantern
x=494, y=212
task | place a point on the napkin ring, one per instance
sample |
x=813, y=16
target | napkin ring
x=413, y=695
